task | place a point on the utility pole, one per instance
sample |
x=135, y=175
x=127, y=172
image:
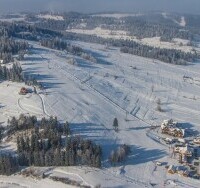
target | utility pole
x=127, y=115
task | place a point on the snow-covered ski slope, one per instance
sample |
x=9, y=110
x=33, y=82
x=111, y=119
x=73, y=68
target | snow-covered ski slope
x=90, y=95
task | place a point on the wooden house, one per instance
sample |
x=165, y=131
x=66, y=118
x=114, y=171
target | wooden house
x=171, y=169
x=23, y=91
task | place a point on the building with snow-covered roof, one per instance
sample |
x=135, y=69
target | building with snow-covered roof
x=197, y=140
x=169, y=127
x=171, y=169
x=184, y=151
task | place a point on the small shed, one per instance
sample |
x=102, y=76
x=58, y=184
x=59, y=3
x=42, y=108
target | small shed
x=171, y=169
x=23, y=91
x=159, y=163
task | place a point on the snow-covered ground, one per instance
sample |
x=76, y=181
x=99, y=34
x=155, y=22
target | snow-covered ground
x=21, y=182
x=90, y=95
x=13, y=18
x=178, y=44
x=118, y=16
x=13, y=104
x=50, y=17
x=182, y=23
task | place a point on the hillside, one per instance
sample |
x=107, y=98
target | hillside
x=90, y=95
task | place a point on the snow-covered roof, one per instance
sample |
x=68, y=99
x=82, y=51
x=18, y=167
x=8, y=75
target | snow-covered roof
x=197, y=140
x=172, y=167
x=181, y=140
x=168, y=123
x=169, y=139
x=185, y=150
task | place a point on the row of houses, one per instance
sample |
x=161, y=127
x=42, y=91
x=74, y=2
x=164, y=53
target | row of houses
x=186, y=149
x=179, y=170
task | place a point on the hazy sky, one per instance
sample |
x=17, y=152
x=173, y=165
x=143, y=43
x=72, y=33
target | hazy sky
x=187, y=6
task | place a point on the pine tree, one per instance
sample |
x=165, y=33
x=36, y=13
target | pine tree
x=115, y=124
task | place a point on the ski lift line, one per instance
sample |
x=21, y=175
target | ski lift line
x=103, y=96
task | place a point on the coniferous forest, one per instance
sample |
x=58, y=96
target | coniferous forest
x=10, y=47
x=51, y=34
x=14, y=73
x=47, y=143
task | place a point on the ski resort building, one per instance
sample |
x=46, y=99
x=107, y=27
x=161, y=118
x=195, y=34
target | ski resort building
x=185, y=151
x=182, y=171
x=170, y=127
x=172, y=169
x=23, y=91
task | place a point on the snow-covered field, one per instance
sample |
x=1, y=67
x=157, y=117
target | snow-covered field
x=182, y=23
x=13, y=104
x=90, y=95
x=17, y=18
x=21, y=182
x=178, y=44
x=118, y=16
x=50, y=17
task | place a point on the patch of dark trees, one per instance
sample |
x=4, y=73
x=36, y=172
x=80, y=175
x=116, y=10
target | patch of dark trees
x=126, y=46
x=143, y=26
x=47, y=143
x=120, y=154
x=13, y=73
x=8, y=164
x=171, y=56
x=10, y=47
x=62, y=44
x=26, y=31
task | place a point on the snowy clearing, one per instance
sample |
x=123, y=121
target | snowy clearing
x=13, y=104
x=50, y=17
x=118, y=16
x=182, y=23
x=178, y=44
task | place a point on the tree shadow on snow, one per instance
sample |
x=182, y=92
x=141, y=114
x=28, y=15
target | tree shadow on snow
x=101, y=136
x=92, y=132
x=34, y=59
x=138, y=128
x=37, y=50
x=45, y=80
x=100, y=58
x=84, y=64
x=141, y=155
x=6, y=149
x=189, y=129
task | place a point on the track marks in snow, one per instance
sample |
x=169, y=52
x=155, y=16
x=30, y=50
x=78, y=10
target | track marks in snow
x=77, y=175
x=29, y=108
